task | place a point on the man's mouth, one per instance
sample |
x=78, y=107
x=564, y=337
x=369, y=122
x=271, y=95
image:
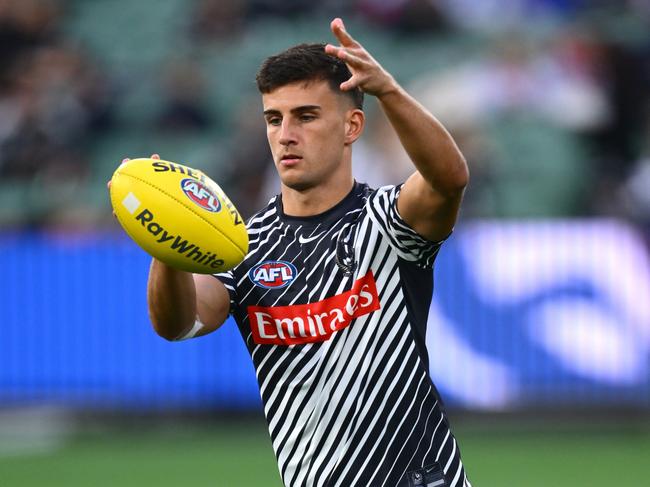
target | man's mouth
x=290, y=159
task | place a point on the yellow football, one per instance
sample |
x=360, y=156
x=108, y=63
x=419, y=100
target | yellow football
x=178, y=215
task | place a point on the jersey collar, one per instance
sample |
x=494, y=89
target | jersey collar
x=335, y=213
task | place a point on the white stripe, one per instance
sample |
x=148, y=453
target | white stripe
x=460, y=468
x=259, y=219
x=364, y=261
x=443, y=444
x=433, y=436
x=451, y=456
x=269, y=353
x=424, y=434
x=319, y=288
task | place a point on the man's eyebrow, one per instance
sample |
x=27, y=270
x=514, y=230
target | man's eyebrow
x=300, y=109
x=305, y=108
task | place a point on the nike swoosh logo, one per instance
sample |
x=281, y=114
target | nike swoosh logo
x=304, y=240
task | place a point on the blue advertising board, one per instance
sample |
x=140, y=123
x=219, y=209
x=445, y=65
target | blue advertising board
x=525, y=314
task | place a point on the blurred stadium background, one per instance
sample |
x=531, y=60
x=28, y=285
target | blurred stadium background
x=540, y=327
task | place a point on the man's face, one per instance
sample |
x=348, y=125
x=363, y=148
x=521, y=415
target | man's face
x=306, y=127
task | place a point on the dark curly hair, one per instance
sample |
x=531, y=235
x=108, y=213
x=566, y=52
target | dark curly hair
x=306, y=62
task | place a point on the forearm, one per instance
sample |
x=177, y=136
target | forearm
x=426, y=141
x=171, y=295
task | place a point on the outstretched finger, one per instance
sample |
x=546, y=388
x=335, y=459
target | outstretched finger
x=338, y=29
x=344, y=55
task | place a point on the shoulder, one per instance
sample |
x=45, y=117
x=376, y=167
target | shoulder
x=369, y=193
x=382, y=198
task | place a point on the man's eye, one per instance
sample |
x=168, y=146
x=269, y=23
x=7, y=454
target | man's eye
x=307, y=118
x=273, y=121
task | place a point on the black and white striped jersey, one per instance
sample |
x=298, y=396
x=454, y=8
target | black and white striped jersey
x=333, y=310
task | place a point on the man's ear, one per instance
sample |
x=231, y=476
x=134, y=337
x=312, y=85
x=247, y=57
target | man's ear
x=354, y=123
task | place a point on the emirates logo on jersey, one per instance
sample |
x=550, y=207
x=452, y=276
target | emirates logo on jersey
x=273, y=274
x=313, y=322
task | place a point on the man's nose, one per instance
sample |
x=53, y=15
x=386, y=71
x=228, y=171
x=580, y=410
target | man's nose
x=287, y=133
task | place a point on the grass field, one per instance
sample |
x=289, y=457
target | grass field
x=238, y=453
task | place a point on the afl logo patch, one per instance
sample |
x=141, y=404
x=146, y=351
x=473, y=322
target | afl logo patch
x=201, y=195
x=273, y=274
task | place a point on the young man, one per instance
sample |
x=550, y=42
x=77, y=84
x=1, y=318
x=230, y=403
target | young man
x=332, y=298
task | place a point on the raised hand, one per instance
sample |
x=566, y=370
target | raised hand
x=367, y=73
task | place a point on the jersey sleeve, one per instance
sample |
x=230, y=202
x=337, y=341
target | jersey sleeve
x=409, y=245
x=228, y=280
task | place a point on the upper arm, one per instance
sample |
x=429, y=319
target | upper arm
x=427, y=211
x=212, y=302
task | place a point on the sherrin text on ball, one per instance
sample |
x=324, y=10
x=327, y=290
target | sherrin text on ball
x=178, y=215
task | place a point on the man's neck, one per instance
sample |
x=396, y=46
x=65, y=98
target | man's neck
x=316, y=200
